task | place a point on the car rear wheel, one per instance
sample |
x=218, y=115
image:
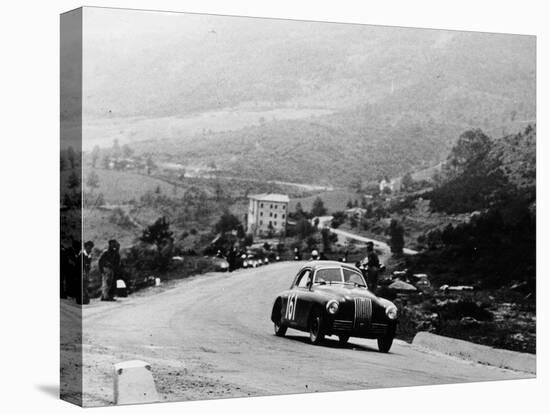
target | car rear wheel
x=384, y=343
x=343, y=339
x=316, y=329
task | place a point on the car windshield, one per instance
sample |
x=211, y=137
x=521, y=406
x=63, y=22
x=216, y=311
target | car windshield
x=329, y=275
x=339, y=275
x=351, y=276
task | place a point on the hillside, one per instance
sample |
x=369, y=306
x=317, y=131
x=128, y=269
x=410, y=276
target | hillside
x=306, y=102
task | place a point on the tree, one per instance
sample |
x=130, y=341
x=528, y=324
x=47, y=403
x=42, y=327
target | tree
x=127, y=151
x=248, y=239
x=318, y=208
x=397, y=240
x=327, y=239
x=218, y=191
x=160, y=235
x=157, y=232
x=92, y=181
x=62, y=161
x=116, y=148
x=73, y=181
x=471, y=147
x=304, y=228
x=299, y=211
x=227, y=222
x=338, y=218
x=106, y=162
x=71, y=156
x=95, y=155
x=407, y=182
x=149, y=164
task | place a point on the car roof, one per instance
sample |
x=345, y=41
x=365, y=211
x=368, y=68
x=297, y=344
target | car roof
x=317, y=264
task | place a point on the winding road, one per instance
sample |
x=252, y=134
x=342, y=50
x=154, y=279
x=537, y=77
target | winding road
x=210, y=337
x=384, y=248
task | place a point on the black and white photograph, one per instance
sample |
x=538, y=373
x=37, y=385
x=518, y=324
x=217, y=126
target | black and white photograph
x=255, y=206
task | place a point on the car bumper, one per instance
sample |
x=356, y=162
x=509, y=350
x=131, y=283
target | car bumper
x=370, y=330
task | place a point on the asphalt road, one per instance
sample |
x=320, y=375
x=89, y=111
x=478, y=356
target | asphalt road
x=210, y=337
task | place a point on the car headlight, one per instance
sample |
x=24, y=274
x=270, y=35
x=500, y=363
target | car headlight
x=332, y=307
x=391, y=312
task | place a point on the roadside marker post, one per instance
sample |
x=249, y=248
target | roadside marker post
x=134, y=383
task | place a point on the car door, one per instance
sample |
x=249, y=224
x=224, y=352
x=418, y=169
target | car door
x=294, y=312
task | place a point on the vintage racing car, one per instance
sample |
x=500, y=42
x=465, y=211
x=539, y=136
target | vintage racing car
x=331, y=298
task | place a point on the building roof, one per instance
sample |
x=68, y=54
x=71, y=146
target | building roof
x=279, y=198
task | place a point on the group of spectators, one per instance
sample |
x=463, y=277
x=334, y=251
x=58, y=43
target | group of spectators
x=76, y=264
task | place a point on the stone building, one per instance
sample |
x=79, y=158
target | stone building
x=267, y=214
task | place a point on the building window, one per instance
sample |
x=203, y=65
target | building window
x=262, y=205
x=275, y=224
x=283, y=216
x=284, y=207
x=261, y=213
x=261, y=222
x=276, y=205
x=275, y=215
x=270, y=214
x=271, y=206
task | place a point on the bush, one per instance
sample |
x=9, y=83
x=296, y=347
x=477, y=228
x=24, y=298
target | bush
x=456, y=310
x=121, y=218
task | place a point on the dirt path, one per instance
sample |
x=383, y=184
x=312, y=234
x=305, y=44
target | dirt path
x=210, y=337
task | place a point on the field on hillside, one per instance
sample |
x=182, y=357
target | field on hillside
x=333, y=200
x=99, y=227
x=103, y=130
x=119, y=187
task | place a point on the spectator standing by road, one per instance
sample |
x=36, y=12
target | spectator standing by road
x=85, y=259
x=109, y=263
x=65, y=269
x=71, y=269
x=372, y=264
x=232, y=258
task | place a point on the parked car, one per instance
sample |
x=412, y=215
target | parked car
x=331, y=298
x=220, y=264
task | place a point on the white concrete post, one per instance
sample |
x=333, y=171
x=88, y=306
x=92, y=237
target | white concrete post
x=133, y=383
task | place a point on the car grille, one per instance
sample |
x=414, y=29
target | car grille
x=339, y=325
x=379, y=329
x=363, y=311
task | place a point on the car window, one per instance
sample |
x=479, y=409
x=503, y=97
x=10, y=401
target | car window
x=353, y=277
x=328, y=275
x=303, y=278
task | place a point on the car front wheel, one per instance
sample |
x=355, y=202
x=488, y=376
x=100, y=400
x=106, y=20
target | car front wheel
x=343, y=339
x=384, y=343
x=277, y=318
x=279, y=328
x=316, y=332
